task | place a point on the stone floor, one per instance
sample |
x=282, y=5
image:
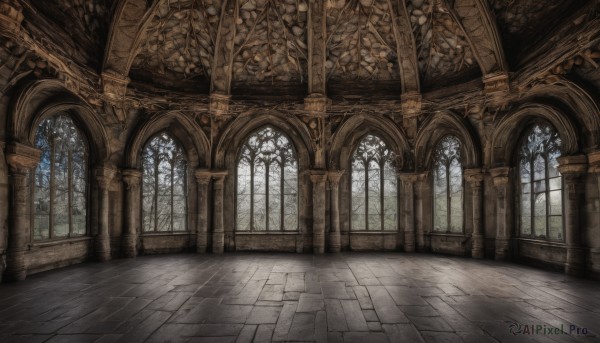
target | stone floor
x=287, y=297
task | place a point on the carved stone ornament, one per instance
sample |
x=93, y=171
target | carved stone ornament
x=11, y=17
x=114, y=85
x=411, y=104
x=496, y=88
x=219, y=104
x=500, y=176
x=572, y=165
x=21, y=156
x=315, y=104
x=474, y=176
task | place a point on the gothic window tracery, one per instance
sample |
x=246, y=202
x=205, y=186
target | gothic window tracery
x=267, y=183
x=448, y=186
x=374, y=189
x=60, y=180
x=540, y=184
x=164, y=198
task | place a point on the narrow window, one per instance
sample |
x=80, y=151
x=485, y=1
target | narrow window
x=164, y=186
x=448, y=186
x=374, y=188
x=541, y=184
x=60, y=180
x=267, y=183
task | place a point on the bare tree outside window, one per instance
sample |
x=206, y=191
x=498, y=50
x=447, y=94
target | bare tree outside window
x=374, y=187
x=164, y=185
x=60, y=180
x=541, y=184
x=448, y=186
x=267, y=183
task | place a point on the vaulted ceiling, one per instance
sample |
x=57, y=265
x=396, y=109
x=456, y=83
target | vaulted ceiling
x=410, y=45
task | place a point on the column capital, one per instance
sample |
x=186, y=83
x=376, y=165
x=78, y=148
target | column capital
x=500, y=176
x=318, y=176
x=114, y=85
x=594, y=162
x=219, y=104
x=316, y=104
x=474, y=176
x=496, y=87
x=21, y=156
x=104, y=175
x=219, y=176
x=203, y=176
x=572, y=166
x=334, y=176
x=409, y=177
x=131, y=177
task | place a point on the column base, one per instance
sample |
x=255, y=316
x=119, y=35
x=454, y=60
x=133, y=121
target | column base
x=218, y=243
x=477, y=251
x=334, y=242
x=102, y=249
x=575, y=265
x=409, y=242
x=318, y=244
x=15, y=266
x=502, y=251
x=201, y=249
x=129, y=246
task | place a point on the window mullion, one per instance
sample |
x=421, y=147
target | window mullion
x=381, y=198
x=366, y=195
x=52, y=187
x=268, y=214
x=448, y=197
x=70, y=190
x=281, y=193
x=252, y=161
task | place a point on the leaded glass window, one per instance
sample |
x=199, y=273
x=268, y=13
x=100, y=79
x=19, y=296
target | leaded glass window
x=60, y=180
x=374, y=187
x=164, y=185
x=448, y=186
x=267, y=183
x=541, y=184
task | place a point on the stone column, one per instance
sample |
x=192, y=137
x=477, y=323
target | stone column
x=474, y=178
x=203, y=177
x=132, y=179
x=421, y=245
x=573, y=168
x=503, y=218
x=408, y=180
x=218, y=237
x=594, y=161
x=21, y=159
x=104, y=176
x=334, y=234
x=318, y=178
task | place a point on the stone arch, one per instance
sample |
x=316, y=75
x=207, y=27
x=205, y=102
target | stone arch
x=236, y=134
x=439, y=126
x=508, y=132
x=358, y=126
x=43, y=98
x=574, y=99
x=179, y=126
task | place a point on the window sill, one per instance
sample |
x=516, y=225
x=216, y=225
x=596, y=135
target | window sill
x=447, y=234
x=542, y=242
x=59, y=241
x=394, y=232
x=168, y=233
x=249, y=233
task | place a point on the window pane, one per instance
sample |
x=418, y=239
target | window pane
x=555, y=228
x=60, y=180
x=540, y=147
x=358, y=197
x=164, y=200
x=379, y=191
x=448, y=186
x=270, y=156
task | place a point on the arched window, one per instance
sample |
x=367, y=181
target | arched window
x=267, y=183
x=374, y=187
x=60, y=181
x=541, y=184
x=164, y=185
x=448, y=186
